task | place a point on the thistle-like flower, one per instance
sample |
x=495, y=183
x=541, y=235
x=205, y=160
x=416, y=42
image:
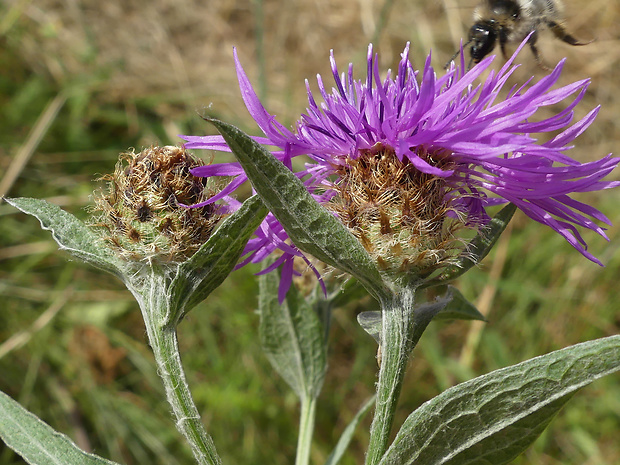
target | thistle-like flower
x=141, y=216
x=407, y=161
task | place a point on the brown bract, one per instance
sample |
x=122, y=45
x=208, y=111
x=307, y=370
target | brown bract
x=403, y=217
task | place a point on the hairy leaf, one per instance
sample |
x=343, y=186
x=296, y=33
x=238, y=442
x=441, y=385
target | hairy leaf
x=214, y=261
x=350, y=291
x=312, y=228
x=70, y=233
x=371, y=323
x=292, y=337
x=458, y=308
x=493, y=418
x=36, y=441
x=451, y=306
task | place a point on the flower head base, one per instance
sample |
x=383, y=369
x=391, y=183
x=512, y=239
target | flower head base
x=141, y=214
x=402, y=216
x=462, y=147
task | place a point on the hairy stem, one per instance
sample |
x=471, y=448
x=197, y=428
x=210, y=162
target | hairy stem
x=397, y=342
x=163, y=340
x=306, y=429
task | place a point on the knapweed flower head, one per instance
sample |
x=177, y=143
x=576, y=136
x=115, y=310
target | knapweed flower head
x=408, y=160
x=405, y=218
x=141, y=214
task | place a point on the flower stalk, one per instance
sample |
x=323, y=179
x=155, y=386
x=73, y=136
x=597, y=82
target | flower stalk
x=402, y=325
x=306, y=430
x=157, y=312
x=398, y=325
x=170, y=258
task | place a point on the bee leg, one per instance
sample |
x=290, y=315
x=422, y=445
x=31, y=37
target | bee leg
x=451, y=60
x=561, y=33
x=502, y=44
x=537, y=55
x=457, y=53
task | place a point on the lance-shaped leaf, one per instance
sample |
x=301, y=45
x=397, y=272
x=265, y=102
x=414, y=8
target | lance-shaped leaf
x=347, y=434
x=310, y=226
x=292, y=337
x=458, y=307
x=494, y=418
x=350, y=291
x=478, y=248
x=197, y=277
x=70, y=233
x=36, y=441
x=371, y=323
x=451, y=306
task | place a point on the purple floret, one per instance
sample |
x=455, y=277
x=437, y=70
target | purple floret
x=488, y=139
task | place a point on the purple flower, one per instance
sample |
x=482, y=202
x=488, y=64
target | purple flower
x=473, y=146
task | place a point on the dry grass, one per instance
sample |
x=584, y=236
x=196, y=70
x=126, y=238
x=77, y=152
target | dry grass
x=181, y=50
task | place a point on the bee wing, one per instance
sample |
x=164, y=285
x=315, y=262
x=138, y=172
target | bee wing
x=551, y=9
x=531, y=8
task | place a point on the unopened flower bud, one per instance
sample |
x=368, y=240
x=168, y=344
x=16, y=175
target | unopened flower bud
x=142, y=213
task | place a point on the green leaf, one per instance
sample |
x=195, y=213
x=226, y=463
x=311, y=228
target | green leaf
x=350, y=291
x=478, y=248
x=36, y=441
x=310, y=226
x=347, y=434
x=493, y=418
x=371, y=323
x=458, y=308
x=292, y=337
x=197, y=277
x=70, y=233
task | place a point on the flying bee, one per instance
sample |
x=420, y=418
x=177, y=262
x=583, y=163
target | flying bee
x=510, y=21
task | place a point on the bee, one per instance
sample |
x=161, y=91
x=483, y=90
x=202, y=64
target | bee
x=510, y=21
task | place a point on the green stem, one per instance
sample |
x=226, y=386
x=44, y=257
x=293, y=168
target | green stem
x=397, y=342
x=163, y=340
x=306, y=429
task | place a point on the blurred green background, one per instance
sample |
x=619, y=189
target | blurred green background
x=83, y=80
